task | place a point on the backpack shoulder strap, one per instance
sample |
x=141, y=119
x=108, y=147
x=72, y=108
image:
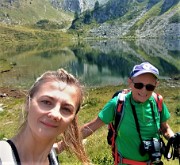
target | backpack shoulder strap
x=159, y=100
x=114, y=126
x=53, y=158
x=119, y=109
x=6, y=153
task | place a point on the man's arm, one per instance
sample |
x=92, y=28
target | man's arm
x=89, y=128
x=86, y=130
x=166, y=130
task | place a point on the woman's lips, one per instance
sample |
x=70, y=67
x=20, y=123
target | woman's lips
x=48, y=124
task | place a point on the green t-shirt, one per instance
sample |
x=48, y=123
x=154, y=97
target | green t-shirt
x=128, y=140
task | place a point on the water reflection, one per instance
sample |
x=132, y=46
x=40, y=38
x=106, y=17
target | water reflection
x=96, y=63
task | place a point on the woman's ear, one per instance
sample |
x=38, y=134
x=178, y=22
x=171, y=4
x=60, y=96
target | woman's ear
x=27, y=104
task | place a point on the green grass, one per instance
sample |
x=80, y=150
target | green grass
x=96, y=145
x=24, y=34
x=4, y=66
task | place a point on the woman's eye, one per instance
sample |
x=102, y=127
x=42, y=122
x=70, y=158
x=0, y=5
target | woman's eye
x=66, y=110
x=46, y=102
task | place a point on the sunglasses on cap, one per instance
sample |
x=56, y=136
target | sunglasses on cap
x=149, y=87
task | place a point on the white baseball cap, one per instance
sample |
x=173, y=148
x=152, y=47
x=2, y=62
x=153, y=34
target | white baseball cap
x=142, y=68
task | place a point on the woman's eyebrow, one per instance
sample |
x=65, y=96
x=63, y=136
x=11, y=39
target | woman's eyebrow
x=55, y=98
x=48, y=96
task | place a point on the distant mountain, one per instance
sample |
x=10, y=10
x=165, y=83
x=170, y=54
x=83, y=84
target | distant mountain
x=132, y=18
x=76, y=5
x=31, y=11
x=101, y=18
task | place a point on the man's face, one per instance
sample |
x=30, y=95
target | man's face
x=142, y=86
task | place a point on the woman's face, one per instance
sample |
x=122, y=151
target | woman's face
x=52, y=109
x=141, y=95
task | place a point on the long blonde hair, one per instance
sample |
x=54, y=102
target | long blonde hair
x=71, y=136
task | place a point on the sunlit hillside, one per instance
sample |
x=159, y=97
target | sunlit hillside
x=30, y=12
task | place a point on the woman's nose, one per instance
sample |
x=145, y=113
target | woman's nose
x=55, y=113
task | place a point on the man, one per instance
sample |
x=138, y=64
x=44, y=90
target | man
x=145, y=118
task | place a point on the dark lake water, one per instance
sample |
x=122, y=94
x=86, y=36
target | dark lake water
x=95, y=63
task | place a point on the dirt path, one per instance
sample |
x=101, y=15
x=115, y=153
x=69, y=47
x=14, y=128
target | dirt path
x=10, y=92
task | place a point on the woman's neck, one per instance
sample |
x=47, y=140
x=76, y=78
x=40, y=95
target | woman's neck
x=31, y=150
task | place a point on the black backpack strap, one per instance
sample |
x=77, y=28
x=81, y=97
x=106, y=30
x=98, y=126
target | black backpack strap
x=116, y=93
x=53, y=158
x=15, y=152
x=136, y=120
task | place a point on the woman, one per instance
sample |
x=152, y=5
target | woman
x=51, y=109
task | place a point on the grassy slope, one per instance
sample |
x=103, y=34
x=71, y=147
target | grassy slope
x=15, y=33
x=29, y=13
x=95, y=100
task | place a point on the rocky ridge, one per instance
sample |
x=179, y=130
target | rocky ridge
x=113, y=18
x=154, y=27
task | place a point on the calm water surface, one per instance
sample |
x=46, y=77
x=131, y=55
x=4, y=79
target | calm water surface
x=96, y=63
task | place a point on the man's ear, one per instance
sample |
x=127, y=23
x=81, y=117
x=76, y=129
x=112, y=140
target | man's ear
x=157, y=83
x=129, y=81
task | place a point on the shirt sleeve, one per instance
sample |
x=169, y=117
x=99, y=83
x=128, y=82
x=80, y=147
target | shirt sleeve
x=165, y=115
x=108, y=111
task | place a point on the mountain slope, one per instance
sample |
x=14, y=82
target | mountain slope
x=102, y=18
x=132, y=18
x=76, y=5
x=160, y=24
x=32, y=11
